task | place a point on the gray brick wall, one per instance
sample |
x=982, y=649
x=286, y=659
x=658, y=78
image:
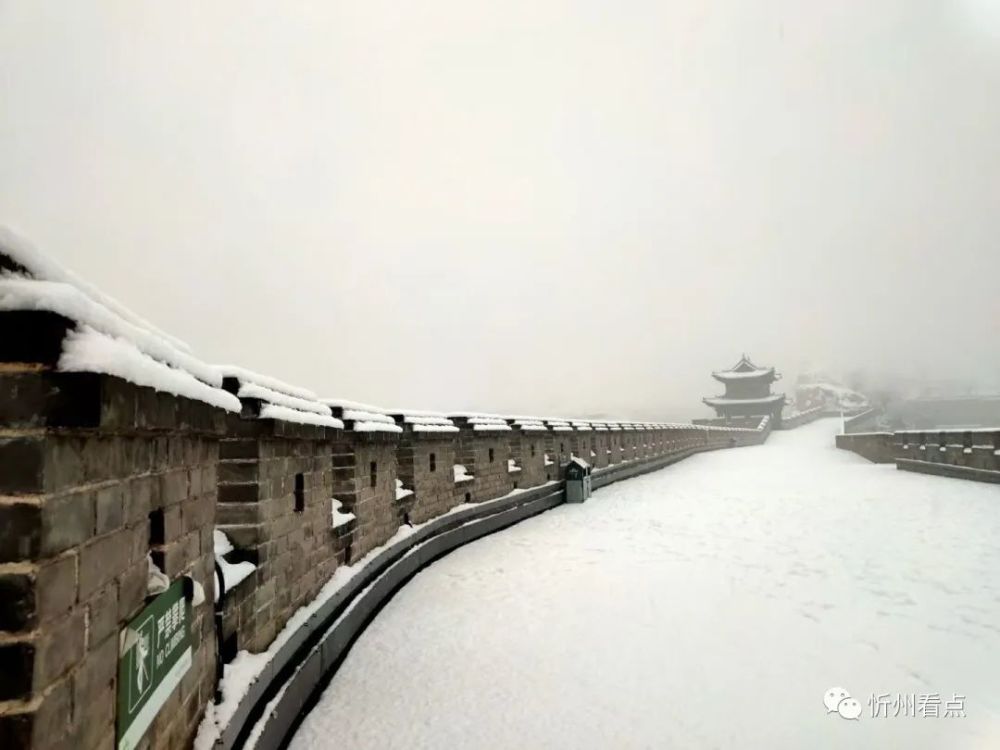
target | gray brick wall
x=374, y=503
x=528, y=450
x=275, y=488
x=90, y=485
x=425, y=461
x=484, y=455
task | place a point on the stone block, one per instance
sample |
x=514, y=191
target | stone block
x=103, y=560
x=51, y=720
x=59, y=648
x=67, y=521
x=173, y=486
x=102, y=617
x=197, y=512
x=56, y=582
x=109, y=509
x=97, y=671
x=132, y=589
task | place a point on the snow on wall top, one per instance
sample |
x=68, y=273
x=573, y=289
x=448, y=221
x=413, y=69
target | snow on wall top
x=417, y=413
x=485, y=422
x=279, y=400
x=88, y=350
x=104, y=342
x=285, y=414
x=41, y=267
x=252, y=390
x=479, y=418
x=111, y=339
x=363, y=417
x=427, y=422
x=249, y=376
x=343, y=403
x=68, y=301
x=490, y=427
x=108, y=339
x=530, y=424
x=419, y=419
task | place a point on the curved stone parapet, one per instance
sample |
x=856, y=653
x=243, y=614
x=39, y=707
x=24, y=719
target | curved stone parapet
x=131, y=470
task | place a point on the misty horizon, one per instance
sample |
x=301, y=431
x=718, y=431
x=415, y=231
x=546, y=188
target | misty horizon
x=550, y=208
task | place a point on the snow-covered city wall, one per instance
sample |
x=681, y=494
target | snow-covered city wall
x=800, y=418
x=964, y=454
x=128, y=464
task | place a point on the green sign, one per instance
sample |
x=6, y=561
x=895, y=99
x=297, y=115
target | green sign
x=154, y=653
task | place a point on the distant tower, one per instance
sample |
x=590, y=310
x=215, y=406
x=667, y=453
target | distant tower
x=748, y=392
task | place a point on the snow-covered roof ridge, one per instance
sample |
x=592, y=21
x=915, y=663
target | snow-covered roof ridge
x=41, y=267
x=721, y=400
x=742, y=375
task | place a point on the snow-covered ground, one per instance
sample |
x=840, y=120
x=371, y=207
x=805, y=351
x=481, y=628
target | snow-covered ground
x=707, y=605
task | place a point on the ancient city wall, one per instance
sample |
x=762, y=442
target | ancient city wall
x=963, y=454
x=131, y=471
x=99, y=479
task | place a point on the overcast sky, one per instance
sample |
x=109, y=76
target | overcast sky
x=562, y=207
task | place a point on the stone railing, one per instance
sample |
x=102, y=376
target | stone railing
x=964, y=454
x=128, y=465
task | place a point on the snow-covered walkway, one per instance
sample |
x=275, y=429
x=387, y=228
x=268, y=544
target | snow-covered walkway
x=707, y=605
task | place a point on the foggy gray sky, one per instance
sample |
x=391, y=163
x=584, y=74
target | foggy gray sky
x=432, y=204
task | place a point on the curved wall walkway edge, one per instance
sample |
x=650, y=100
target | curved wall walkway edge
x=302, y=668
